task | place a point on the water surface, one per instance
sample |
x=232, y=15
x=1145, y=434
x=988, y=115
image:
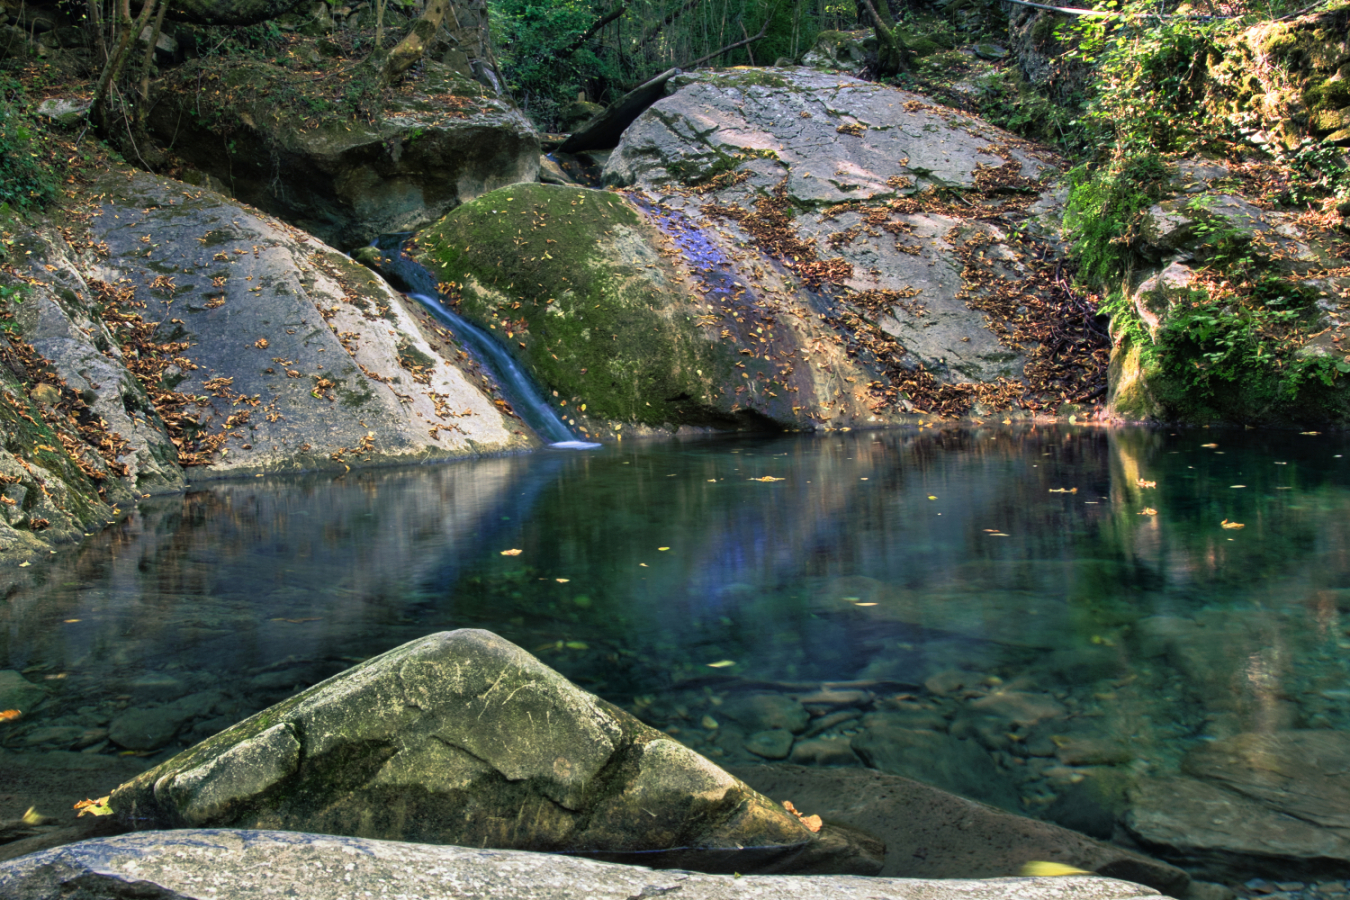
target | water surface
x=925, y=571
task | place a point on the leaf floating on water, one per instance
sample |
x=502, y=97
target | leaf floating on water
x=562, y=580
x=1209, y=446
x=512, y=552
x=721, y=664
x=663, y=549
x=1038, y=869
x=97, y=807
x=70, y=621
x=1231, y=525
x=931, y=497
x=25, y=564
x=9, y=715
x=577, y=645
x=1064, y=490
x=1148, y=511
x=1310, y=432
x=861, y=603
x=33, y=817
x=767, y=478
x=1236, y=486
x=1146, y=484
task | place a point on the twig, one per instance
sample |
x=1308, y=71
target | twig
x=729, y=47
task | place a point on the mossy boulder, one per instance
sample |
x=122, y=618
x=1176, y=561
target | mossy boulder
x=573, y=283
x=463, y=738
x=301, y=152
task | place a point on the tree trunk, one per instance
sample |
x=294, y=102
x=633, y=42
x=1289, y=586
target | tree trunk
x=408, y=52
x=126, y=31
x=892, y=54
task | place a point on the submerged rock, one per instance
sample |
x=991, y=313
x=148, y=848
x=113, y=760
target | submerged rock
x=930, y=833
x=1257, y=804
x=463, y=738
x=201, y=864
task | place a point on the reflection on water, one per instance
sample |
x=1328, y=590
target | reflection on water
x=990, y=595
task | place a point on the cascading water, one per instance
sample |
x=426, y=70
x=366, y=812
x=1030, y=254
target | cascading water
x=525, y=396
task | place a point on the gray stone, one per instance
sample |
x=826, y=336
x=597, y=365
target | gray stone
x=764, y=712
x=17, y=692
x=773, y=744
x=59, y=735
x=202, y=864
x=257, y=292
x=930, y=833
x=462, y=737
x=1224, y=836
x=1019, y=707
x=1304, y=774
x=348, y=185
x=824, y=752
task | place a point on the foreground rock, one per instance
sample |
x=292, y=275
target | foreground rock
x=800, y=249
x=201, y=864
x=930, y=833
x=463, y=738
x=1254, y=805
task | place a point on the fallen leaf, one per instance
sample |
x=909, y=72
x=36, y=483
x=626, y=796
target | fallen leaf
x=767, y=478
x=1237, y=486
x=1148, y=511
x=663, y=548
x=1310, y=432
x=721, y=664
x=562, y=580
x=9, y=715
x=1209, y=446
x=33, y=817
x=1231, y=525
x=1039, y=869
x=97, y=807
x=931, y=497
x=512, y=552
x=1064, y=490
x=1146, y=484
x=577, y=645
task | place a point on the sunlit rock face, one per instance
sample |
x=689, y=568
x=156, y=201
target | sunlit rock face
x=798, y=249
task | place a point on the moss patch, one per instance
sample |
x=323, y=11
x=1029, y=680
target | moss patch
x=568, y=280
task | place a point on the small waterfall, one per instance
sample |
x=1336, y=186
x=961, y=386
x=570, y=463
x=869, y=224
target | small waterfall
x=524, y=395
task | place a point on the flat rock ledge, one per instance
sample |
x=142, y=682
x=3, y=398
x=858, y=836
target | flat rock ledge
x=213, y=863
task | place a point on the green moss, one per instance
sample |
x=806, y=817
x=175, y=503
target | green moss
x=566, y=279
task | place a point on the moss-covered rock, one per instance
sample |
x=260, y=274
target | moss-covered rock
x=296, y=147
x=572, y=282
x=463, y=738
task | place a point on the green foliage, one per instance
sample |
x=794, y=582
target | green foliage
x=1007, y=101
x=1320, y=169
x=1148, y=77
x=537, y=47
x=1103, y=208
x=27, y=180
x=1228, y=357
x=9, y=296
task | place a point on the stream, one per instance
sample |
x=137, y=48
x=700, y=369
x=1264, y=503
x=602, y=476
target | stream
x=1013, y=613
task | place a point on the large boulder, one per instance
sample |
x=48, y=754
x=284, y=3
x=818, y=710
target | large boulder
x=202, y=864
x=292, y=355
x=574, y=283
x=275, y=138
x=845, y=247
x=463, y=738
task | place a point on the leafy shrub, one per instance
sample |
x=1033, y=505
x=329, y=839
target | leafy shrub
x=1103, y=209
x=26, y=177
